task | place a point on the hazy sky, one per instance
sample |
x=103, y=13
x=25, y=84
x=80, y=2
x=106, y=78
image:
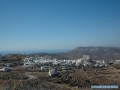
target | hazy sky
x=58, y=24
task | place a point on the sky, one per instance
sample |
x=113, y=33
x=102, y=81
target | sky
x=58, y=24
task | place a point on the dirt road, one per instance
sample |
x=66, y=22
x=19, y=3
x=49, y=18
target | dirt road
x=30, y=76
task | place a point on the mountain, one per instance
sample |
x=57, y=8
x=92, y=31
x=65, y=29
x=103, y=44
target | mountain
x=95, y=53
x=101, y=53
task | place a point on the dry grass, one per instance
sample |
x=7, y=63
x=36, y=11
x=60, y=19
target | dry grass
x=12, y=75
x=117, y=66
x=39, y=84
x=84, y=78
x=67, y=81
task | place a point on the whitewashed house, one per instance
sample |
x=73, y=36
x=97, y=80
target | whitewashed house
x=28, y=62
x=52, y=72
x=116, y=62
x=100, y=63
x=44, y=68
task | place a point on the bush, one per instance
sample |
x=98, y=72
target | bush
x=12, y=75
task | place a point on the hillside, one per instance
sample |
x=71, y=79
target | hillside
x=101, y=53
x=106, y=53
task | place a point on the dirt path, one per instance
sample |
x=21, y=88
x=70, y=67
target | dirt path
x=30, y=76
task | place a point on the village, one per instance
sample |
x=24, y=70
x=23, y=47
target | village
x=53, y=65
x=47, y=65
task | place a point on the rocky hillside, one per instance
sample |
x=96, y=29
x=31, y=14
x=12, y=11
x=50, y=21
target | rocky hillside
x=106, y=53
x=101, y=53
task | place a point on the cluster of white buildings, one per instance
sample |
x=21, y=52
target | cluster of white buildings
x=85, y=61
x=46, y=64
x=116, y=62
x=5, y=68
x=100, y=63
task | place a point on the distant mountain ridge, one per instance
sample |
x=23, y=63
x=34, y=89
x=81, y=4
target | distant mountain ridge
x=95, y=53
x=103, y=53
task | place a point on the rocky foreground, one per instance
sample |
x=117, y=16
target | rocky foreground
x=69, y=80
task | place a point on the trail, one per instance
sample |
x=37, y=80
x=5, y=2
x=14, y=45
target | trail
x=30, y=76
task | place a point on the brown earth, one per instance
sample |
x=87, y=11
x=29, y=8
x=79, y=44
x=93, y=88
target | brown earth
x=79, y=79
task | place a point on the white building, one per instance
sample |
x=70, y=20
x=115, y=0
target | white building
x=52, y=72
x=100, y=63
x=116, y=62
